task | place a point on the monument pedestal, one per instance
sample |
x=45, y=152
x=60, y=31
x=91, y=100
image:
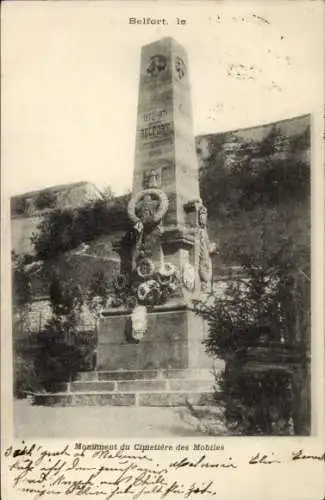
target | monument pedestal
x=167, y=367
x=173, y=340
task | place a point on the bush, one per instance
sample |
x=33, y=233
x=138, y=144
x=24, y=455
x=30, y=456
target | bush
x=57, y=361
x=257, y=403
x=86, y=343
x=25, y=377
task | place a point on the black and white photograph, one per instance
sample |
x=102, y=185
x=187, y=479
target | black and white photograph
x=162, y=185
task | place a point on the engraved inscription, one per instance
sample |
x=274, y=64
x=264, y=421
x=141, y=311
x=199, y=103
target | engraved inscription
x=158, y=130
x=155, y=115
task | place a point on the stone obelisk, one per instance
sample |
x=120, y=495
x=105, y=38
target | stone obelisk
x=150, y=324
x=165, y=141
x=165, y=161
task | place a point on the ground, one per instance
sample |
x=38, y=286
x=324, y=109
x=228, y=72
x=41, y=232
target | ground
x=100, y=422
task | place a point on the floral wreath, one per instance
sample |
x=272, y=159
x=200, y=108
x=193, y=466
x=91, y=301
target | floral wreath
x=120, y=282
x=141, y=268
x=148, y=291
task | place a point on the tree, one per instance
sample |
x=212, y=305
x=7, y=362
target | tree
x=263, y=222
x=21, y=281
x=45, y=199
x=58, y=359
x=63, y=230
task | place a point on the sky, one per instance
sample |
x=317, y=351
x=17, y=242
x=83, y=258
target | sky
x=70, y=74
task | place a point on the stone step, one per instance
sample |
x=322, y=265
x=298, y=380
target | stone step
x=141, y=385
x=146, y=374
x=152, y=398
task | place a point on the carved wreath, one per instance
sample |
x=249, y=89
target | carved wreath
x=153, y=193
x=157, y=64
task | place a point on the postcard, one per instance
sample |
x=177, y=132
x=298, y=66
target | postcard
x=162, y=279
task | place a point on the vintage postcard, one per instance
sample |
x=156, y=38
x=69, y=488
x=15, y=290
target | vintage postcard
x=162, y=279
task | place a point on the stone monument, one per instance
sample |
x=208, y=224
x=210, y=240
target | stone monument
x=150, y=348
x=150, y=324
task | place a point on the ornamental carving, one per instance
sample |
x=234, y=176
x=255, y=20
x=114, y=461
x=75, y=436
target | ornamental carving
x=152, y=179
x=189, y=277
x=139, y=322
x=180, y=67
x=156, y=65
x=205, y=264
x=148, y=206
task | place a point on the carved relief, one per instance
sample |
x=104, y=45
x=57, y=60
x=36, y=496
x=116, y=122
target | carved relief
x=180, y=67
x=189, y=277
x=156, y=65
x=205, y=264
x=148, y=206
x=139, y=322
x=152, y=179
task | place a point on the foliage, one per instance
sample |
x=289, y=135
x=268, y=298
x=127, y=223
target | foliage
x=58, y=358
x=257, y=402
x=99, y=291
x=45, y=199
x=21, y=283
x=63, y=230
x=270, y=297
x=18, y=205
x=256, y=174
x=263, y=221
x=24, y=375
x=66, y=299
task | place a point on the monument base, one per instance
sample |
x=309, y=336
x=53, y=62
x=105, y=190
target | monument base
x=168, y=367
x=173, y=340
x=134, y=388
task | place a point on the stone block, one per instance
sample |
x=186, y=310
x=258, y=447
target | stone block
x=141, y=385
x=87, y=376
x=198, y=374
x=128, y=375
x=48, y=399
x=92, y=386
x=103, y=399
x=190, y=385
x=174, y=398
x=143, y=356
x=173, y=341
x=163, y=326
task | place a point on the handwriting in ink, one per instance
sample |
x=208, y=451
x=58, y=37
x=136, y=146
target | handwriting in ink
x=201, y=462
x=300, y=455
x=263, y=459
x=25, y=451
x=201, y=490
